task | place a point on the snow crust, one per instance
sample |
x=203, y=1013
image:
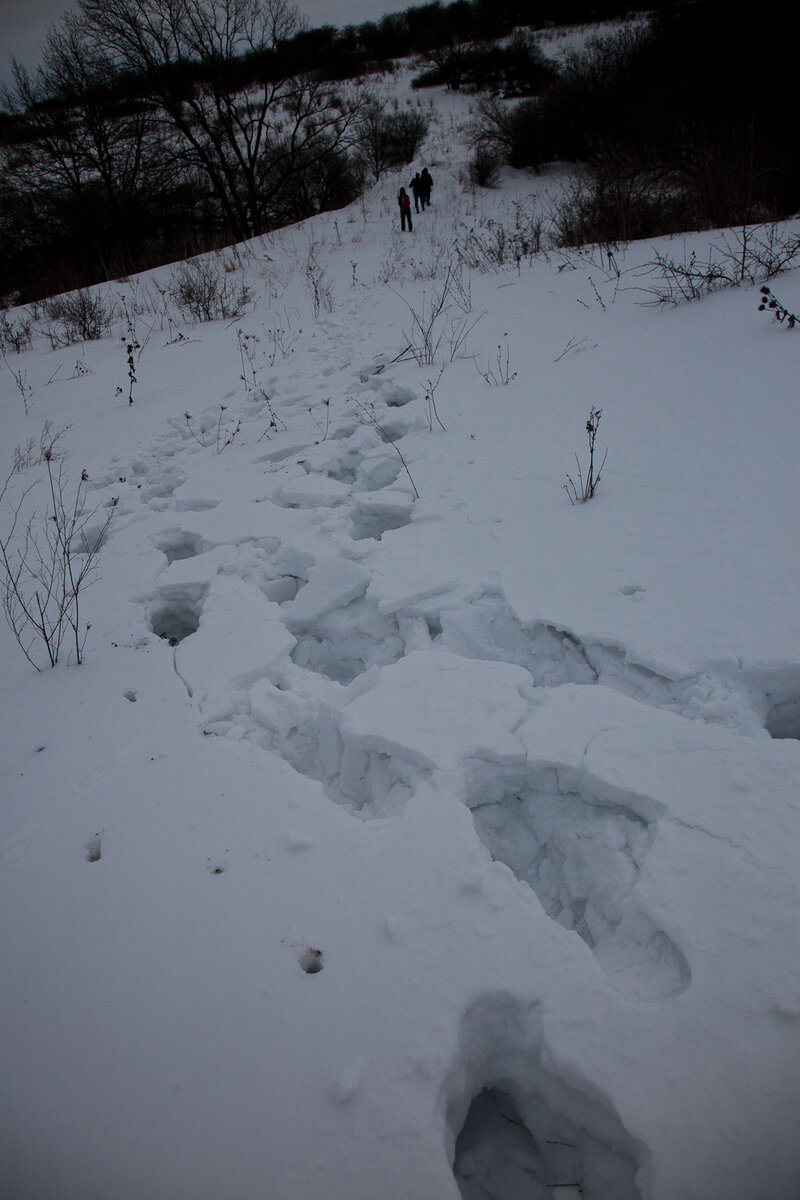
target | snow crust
x=429, y=847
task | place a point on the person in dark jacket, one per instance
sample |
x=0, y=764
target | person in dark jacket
x=416, y=189
x=426, y=182
x=405, y=210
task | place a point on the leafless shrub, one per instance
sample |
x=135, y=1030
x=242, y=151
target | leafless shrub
x=47, y=558
x=318, y=283
x=758, y=252
x=15, y=334
x=219, y=433
x=82, y=316
x=493, y=245
x=281, y=342
x=687, y=280
x=484, y=167
x=432, y=324
x=20, y=378
x=511, y=132
x=368, y=412
x=431, y=410
x=33, y=454
x=202, y=290
x=586, y=488
x=499, y=374
x=249, y=357
x=324, y=429
x=389, y=139
x=746, y=255
x=409, y=130
x=617, y=202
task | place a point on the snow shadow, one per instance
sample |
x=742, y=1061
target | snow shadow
x=519, y=1132
x=488, y=628
x=783, y=719
x=581, y=854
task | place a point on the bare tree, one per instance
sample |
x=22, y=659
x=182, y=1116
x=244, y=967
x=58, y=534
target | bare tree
x=92, y=164
x=249, y=143
x=119, y=143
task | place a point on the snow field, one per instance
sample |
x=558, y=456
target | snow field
x=397, y=846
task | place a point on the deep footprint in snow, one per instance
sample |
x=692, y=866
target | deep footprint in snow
x=582, y=859
x=175, y=614
x=519, y=1131
x=488, y=628
x=176, y=544
x=497, y=1157
x=344, y=643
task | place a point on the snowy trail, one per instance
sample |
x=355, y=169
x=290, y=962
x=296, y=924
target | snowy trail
x=292, y=641
x=288, y=642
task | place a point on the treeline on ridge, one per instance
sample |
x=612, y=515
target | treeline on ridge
x=154, y=130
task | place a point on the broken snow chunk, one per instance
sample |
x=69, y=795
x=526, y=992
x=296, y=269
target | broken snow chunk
x=374, y=513
x=331, y=585
x=311, y=491
x=378, y=469
x=194, y=570
x=404, y=595
x=240, y=636
x=437, y=710
x=279, y=711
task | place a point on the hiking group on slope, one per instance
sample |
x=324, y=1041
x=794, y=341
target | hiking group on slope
x=420, y=187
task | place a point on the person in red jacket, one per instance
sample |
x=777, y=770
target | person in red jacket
x=405, y=210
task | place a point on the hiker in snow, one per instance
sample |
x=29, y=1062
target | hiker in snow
x=416, y=189
x=425, y=190
x=405, y=210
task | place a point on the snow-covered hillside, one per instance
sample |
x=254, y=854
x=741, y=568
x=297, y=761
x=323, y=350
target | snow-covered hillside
x=408, y=831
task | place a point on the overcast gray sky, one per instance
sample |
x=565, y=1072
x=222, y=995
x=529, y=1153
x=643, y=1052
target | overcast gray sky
x=23, y=23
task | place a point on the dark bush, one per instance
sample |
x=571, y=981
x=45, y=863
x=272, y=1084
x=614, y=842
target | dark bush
x=699, y=108
x=484, y=167
x=511, y=133
x=202, y=291
x=80, y=316
x=390, y=139
x=409, y=130
x=614, y=205
x=518, y=69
